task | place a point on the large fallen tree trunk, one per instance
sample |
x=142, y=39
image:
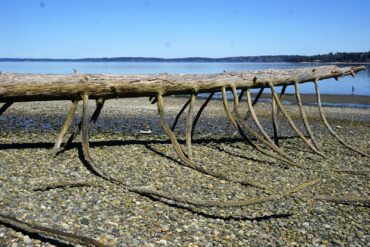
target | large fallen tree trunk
x=32, y=87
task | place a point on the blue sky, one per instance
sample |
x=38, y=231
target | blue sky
x=150, y=28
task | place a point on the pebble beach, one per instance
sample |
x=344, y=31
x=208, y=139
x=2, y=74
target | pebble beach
x=129, y=143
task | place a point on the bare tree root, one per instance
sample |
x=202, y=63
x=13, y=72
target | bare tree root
x=282, y=93
x=182, y=155
x=326, y=123
x=241, y=126
x=99, y=106
x=32, y=228
x=85, y=143
x=274, y=111
x=304, y=118
x=5, y=107
x=272, y=145
x=291, y=123
x=66, y=124
x=254, y=102
x=227, y=108
x=258, y=96
x=265, y=138
x=242, y=91
x=275, y=122
x=189, y=122
x=199, y=113
x=66, y=184
x=91, y=162
x=224, y=204
x=274, y=114
x=179, y=114
x=187, y=162
x=244, y=182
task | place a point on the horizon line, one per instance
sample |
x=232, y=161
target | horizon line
x=178, y=58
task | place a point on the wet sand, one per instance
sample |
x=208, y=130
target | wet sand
x=326, y=98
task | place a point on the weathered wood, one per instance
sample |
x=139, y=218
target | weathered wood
x=243, y=128
x=31, y=87
x=304, y=118
x=332, y=132
x=31, y=228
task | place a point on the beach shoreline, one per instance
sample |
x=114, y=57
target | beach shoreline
x=114, y=216
x=334, y=99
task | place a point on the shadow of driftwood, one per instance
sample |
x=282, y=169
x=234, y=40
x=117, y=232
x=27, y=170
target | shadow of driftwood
x=222, y=217
x=36, y=145
x=38, y=236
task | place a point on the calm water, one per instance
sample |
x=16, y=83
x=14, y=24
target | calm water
x=343, y=86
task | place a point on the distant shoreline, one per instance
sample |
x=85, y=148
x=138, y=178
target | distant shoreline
x=153, y=61
x=337, y=62
x=337, y=58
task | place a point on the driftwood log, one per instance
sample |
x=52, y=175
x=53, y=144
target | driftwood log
x=40, y=87
x=76, y=87
x=101, y=87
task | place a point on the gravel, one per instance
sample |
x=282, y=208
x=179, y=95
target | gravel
x=130, y=144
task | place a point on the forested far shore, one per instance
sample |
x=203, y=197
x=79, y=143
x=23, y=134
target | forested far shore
x=339, y=57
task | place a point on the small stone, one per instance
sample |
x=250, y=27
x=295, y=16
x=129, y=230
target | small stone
x=65, y=225
x=135, y=241
x=162, y=242
x=145, y=131
x=337, y=242
x=85, y=221
x=27, y=239
x=16, y=234
x=107, y=240
x=327, y=226
x=165, y=229
x=102, y=229
x=360, y=234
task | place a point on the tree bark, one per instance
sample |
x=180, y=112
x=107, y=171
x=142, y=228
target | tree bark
x=42, y=87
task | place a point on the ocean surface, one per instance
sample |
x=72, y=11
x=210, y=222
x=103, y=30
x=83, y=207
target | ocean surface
x=343, y=86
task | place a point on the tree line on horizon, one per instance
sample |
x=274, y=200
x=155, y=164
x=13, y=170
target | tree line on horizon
x=338, y=57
